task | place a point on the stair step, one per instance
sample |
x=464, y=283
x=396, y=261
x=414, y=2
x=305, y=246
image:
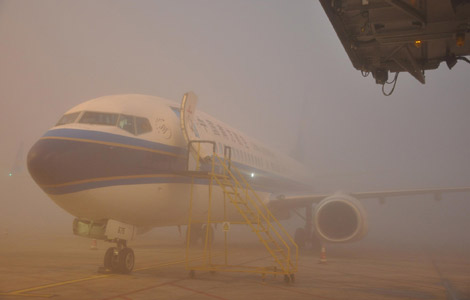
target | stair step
x=238, y=202
x=268, y=240
x=249, y=206
x=218, y=175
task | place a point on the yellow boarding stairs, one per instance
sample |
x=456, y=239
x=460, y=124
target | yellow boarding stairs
x=252, y=211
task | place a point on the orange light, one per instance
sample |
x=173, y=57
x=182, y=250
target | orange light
x=460, y=39
x=418, y=44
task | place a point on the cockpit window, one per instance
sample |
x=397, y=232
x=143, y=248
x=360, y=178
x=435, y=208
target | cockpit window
x=99, y=118
x=68, y=118
x=126, y=122
x=132, y=124
x=142, y=125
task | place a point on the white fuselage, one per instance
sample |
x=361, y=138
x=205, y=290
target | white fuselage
x=122, y=157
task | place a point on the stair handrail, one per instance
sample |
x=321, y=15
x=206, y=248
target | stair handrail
x=262, y=212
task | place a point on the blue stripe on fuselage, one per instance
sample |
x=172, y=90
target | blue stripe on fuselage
x=107, y=182
x=101, y=136
x=263, y=180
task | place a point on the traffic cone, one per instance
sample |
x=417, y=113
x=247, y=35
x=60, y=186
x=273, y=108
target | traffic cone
x=322, y=255
x=93, y=246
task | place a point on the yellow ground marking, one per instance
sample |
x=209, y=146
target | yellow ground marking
x=164, y=265
x=41, y=287
x=27, y=295
x=21, y=292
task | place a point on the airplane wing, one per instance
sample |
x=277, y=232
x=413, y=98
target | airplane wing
x=340, y=217
x=292, y=202
x=385, y=194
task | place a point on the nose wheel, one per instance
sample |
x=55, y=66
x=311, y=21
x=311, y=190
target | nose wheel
x=119, y=259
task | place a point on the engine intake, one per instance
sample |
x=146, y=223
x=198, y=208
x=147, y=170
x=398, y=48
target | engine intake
x=340, y=218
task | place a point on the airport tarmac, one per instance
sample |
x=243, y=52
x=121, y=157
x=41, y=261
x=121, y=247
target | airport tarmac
x=64, y=267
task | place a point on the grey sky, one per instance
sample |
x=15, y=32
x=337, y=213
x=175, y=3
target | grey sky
x=252, y=64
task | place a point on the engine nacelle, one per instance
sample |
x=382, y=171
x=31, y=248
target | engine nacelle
x=340, y=218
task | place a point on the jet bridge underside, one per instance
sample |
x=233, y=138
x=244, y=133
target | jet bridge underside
x=382, y=36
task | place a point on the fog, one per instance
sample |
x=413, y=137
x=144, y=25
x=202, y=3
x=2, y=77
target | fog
x=272, y=68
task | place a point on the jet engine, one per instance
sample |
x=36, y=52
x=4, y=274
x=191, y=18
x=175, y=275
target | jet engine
x=340, y=218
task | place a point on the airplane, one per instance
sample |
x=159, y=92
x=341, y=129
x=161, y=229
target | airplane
x=117, y=163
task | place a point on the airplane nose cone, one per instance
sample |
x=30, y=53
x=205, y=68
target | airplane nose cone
x=46, y=163
x=64, y=162
x=57, y=162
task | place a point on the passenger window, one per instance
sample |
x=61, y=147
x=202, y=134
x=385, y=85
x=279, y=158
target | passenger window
x=68, y=118
x=223, y=131
x=214, y=129
x=142, y=125
x=90, y=117
x=127, y=123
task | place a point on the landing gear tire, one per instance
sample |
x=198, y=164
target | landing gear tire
x=111, y=260
x=300, y=237
x=125, y=260
x=286, y=278
x=119, y=261
x=195, y=234
x=204, y=234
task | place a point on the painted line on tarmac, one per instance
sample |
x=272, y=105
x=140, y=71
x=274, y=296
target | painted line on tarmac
x=41, y=287
x=293, y=291
x=23, y=292
x=124, y=295
x=336, y=272
x=164, y=265
x=27, y=295
x=450, y=291
x=143, y=289
x=197, y=291
x=168, y=283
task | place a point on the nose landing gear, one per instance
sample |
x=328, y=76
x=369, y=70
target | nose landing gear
x=119, y=259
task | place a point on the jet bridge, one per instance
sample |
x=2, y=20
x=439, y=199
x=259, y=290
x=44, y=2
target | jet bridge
x=382, y=36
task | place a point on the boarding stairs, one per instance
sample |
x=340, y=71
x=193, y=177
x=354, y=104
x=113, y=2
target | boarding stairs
x=237, y=191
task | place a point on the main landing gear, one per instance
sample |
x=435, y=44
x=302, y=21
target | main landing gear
x=119, y=259
x=199, y=232
x=305, y=235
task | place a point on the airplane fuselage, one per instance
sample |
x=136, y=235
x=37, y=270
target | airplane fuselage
x=122, y=157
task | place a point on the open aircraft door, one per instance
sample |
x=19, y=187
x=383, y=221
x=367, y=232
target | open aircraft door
x=197, y=151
